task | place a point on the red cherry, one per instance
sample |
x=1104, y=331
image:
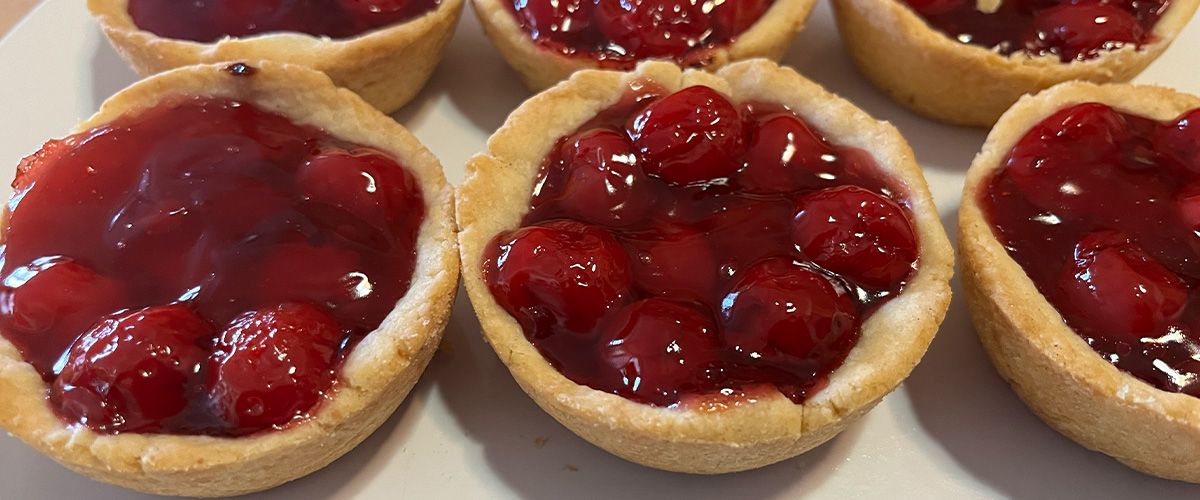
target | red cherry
x=1076, y=31
x=785, y=155
x=731, y=18
x=652, y=28
x=673, y=262
x=365, y=184
x=1093, y=130
x=856, y=233
x=48, y=304
x=690, y=136
x=560, y=17
x=1178, y=143
x=133, y=373
x=659, y=348
x=604, y=182
x=273, y=365
x=935, y=7
x=1114, y=287
x=561, y=274
x=1047, y=163
x=778, y=309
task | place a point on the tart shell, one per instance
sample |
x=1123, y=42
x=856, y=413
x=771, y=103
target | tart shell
x=541, y=68
x=1058, y=375
x=376, y=376
x=387, y=67
x=962, y=84
x=719, y=437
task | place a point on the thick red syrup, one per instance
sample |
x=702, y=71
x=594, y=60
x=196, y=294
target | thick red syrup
x=1102, y=211
x=1070, y=29
x=201, y=267
x=211, y=20
x=682, y=245
x=620, y=33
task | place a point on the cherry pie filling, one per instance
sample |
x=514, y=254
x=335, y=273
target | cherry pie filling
x=681, y=248
x=1073, y=30
x=620, y=33
x=201, y=267
x=207, y=21
x=1102, y=211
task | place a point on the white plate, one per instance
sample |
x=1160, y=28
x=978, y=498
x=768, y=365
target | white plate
x=953, y=430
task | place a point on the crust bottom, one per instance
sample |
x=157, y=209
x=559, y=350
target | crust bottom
x=1051, y=368
x=966, y=85
x=670, y=453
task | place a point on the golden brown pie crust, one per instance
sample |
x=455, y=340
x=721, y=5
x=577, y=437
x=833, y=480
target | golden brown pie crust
x=540, y=68
x=387, y=67
x=1056, y=373
x=751, y=433
x=377, y=374
x=963, y=84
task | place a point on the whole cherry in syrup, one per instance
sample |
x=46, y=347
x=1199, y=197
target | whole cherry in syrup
x=721, y=247
x=202, y=266
x=1101, y=210
x=1069, y=29
x=211, y=20
x=619, y=33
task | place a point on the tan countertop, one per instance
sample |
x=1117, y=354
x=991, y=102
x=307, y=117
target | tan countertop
x=13, y=12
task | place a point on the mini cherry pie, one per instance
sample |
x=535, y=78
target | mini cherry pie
x=547, y=40
x=384, y=50
x=965, y=62
x=1079, y=236
x=695, y=272
x=202, y=260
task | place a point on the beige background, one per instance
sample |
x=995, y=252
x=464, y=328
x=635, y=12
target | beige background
x=13, y=12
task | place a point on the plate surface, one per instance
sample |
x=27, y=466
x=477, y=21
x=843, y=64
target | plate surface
x=953, y=430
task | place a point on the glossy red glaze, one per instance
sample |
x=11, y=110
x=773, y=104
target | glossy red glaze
x=599, y=180
x=700, y=289
x=561, y=275
x=271, y=366
x=1070, y=29
x=856, y=233
x=694, y=135
x=1100, y=208
x=658, y=347
x=135, y=372
x=211, y=20
x=790, y=314
x=619, y=33
x=220, y=208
